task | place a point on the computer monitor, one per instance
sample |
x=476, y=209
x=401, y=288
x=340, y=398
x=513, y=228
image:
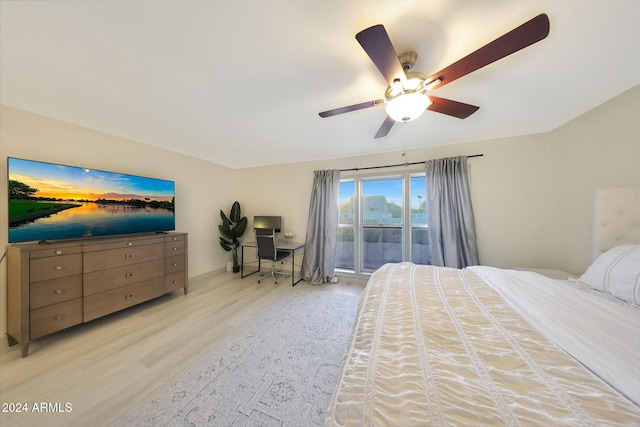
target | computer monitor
x=272, y=222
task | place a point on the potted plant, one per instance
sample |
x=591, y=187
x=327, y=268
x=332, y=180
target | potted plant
x=231, y=229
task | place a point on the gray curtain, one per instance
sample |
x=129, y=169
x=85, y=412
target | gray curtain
x=319, y=262
x=452, y=232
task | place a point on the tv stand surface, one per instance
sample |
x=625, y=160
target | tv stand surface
x=57, y=285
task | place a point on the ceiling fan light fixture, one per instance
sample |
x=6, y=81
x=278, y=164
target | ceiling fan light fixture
x=395, y=89
x=408, y=106
x=415, y=81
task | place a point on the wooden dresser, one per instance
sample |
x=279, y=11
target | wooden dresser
x=57, y=285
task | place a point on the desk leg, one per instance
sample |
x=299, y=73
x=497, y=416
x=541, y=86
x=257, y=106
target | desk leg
x=293, y=265
x=242, y=262
x=242, y=275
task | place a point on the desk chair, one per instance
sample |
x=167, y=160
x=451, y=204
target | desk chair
x=266, y=243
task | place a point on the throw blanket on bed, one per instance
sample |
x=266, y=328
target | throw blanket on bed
x=437, y=346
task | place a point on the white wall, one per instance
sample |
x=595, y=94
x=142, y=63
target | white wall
x=202, y=188
x=532, y=195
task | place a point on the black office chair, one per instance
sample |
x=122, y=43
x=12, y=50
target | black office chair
x=267, y=250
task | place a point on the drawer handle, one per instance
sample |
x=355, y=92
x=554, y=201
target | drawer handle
x=58, y=291
x=175, y=249
x=58, y=317
x=129, y=256
x=175, y=264
x=130, y=275
x=58, y=252
x=129, y=243
x=58, y=267
x=175, y=281
x=174, y=239
x=130, y=296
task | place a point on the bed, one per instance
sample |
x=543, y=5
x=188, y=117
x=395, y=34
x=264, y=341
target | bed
x=489, y=346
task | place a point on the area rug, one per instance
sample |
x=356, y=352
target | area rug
x=279, y=369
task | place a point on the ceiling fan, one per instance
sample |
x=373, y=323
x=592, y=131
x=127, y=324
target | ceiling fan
x=407, y=97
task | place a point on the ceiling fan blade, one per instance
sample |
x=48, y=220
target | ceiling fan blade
x=354, y=107
x=385, y=128
x=375, y=41
x=525, y=35
x=451, y=108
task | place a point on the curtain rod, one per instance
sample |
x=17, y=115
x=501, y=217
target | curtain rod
x=394, y=166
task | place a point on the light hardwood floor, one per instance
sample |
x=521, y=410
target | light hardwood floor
x=106, y=366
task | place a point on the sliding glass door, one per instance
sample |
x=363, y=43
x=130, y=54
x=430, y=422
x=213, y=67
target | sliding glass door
x=382, y=219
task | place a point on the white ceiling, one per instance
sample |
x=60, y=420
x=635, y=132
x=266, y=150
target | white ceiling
x=240, y=83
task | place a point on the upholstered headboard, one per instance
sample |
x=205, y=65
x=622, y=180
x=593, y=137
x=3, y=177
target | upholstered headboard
x=616, y=218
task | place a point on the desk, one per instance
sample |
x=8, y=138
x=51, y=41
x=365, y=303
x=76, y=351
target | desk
x=292, y=247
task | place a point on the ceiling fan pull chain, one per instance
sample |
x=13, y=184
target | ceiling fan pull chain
x=404, y=144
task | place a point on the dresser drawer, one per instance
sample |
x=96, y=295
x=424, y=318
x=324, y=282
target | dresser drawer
x=49, y=251
x=55, y=317
x=54, y=267
x=174, y=248
x=94, y=261
x=54, y=291
x=123, y=242
x=112, y=278
x=174, y=238
x=174, y=263
x=104, y=303
x=174, y=281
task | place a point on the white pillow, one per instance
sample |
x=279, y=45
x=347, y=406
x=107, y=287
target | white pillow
x=617, y=272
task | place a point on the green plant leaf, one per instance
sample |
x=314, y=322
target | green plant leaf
x=226, y=245
x=240, y=227
x=235, y=212
x=225, y=230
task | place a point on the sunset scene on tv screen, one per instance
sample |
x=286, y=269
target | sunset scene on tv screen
x=72, y=183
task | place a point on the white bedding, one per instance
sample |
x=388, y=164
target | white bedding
x=601, y=332
x=438, y=346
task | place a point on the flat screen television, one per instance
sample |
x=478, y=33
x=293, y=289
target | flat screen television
x=50, y=201
x=262, y=221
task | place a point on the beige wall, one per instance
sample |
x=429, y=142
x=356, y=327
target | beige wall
x=532, y=195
